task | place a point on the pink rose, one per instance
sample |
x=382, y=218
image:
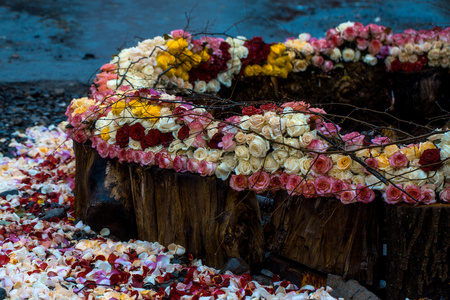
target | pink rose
x=364, y=32
x=349, y=34
x=138, y=157
x=328, y=129
x=206, y=168
x=180, y=164
x=259, y=181
x=275, y=183
x=122, y=155
x=308, y=188
x=323, y=185
x=129, y=155
x=317, y=60
x=445, y=194
x=362, y=44
x=284, y=178
x=348, y=196
x=353, y=140
x=380, y=140
x=317, y=145
x=103, y=149
x=398, y=160
x=297, y=106
x=113, y=151
x=428, y=195
x=80, y=136
x=192, y=165
x=392, y=194
x=322, y=164
x=375, y=47
x=77, y=120
x=293, y=185
x=337, y=186
x=199, y=141
x=228, y=144
x=164, y=160
x=414, y=191
x=238, y=182
x=327, y=66
x=372, y=162
x=364, y=194
x=148, y=158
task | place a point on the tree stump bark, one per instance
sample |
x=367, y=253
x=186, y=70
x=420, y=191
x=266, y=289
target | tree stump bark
x=213, y=221
x=328, y=236
x=103, y=193
x=418, y=251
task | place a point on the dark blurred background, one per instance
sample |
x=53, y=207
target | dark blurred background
x=69, y=40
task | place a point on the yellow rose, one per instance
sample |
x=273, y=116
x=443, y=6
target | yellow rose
x=278, y=49
x=390, y=150
x=344, y=162
x=267, y=69
x=204, y=55
x=383, y=161
x=104, y=134
x=248, y=71
x=257, y=70
x=425, y=146
x=411, y=153
x=118, y=107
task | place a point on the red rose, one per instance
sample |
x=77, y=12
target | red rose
x=123, y=136
x=153, y=138
x=417, y=66
x=166, y=139
x=215, y=140
x=423, y=59
x=251, y=110
x=396, y=65
x=183, y=132
x=137, y=131
x=270, y=107
x=430, y=160
x=407, y=67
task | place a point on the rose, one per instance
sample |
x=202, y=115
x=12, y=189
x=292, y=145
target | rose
x=222, y=171
x=215, y=140
x=258, y=146
x=214, y=155
x=430, y=160
x=270, y=107
x=322, y=164
x=259, y=181
x=364, y=194
x=243, y=167
x=148, y=158
x=270, y=164
x=343, y=162
x=297, y=124
x=200, y=154
x=306, y=139
x=242, y=152
x=412, y=190
x=153, y=138
x=251, y=110
x=317, y=145
x=275, y=183
x=192, y=165
x=348, y=196
x=337, y=186
x=123, y=136
x=308, y=188
x=227, y=143
x=206, y=168
x=398, y=160
x=328, y=129
x=353, y=140
x=372, y=163
x=393, y=194
x=380, y=140
x=445, y=195
x=166, y=139
x=183, y=132
x=294, y=185
x=323, y=185
x=428, y=195
x=238, y=182
x=292, y=165
x=256, y=162
x=137, y=131
x=164, y=159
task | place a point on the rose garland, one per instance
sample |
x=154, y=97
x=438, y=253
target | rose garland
x=205, y=64
x=265, y=149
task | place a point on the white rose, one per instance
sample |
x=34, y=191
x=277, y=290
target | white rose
x=125, y=117
x=426, y=46
x=280, y=156
x=256, y=162
x=167, y=124
x=343, y=26
x=200, y=86
x=409, y=48
x=242, y=152
x=244, y=167
x=175, y=146
x=413, y=58
x=258, y=147
x=359, y=179
x=348, y=54
x=304, y=37
x=245, y=123
x=267, y=132
x=335, y=54
x=403, y=57
x=297, y=125
x=356, y=168
x=374, y=183
x=394, y=51
x=307, y=49
x=224, y=78
x=299, y=65
x=201, y=154
x=370, y=60
x=437, y=178
x=357, y=56
x=213, y=86
x=292, y=165
x=257, y=123
x=445, y=150
x=228, y=162
x=277, y=123
x=340, y=174
x=305, y=164
x=294, y=146
x=306, y=139
x=270, y=164
x=214, y=155
x=240, y=137
x=222, y=172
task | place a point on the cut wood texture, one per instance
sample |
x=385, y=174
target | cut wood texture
x=418, y=251
x=211, y=220
x=326, y=235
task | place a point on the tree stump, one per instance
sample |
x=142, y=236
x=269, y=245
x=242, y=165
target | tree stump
x=328, y=236
x=102, y=193
x=418, y=251
x=211, y=220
